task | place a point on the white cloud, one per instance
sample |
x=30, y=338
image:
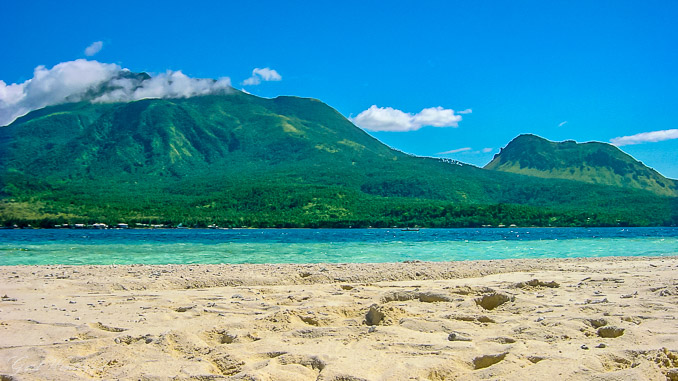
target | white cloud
x=390, y=119
x=466, y=151
x=78, y=80
x=384, y=119
x=253, y=80
x=455, y=151
x=436, y=117
x=562, y=123
x=467, y=111
x=171, y=84
x=94, y=48
x=645, y=137
x=265, y=74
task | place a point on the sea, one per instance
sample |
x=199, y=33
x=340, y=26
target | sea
x=233, y=246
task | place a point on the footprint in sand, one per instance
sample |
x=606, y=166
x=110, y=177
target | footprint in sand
x=424, y=296
x=597, y=323
x=106, y=328
x=227, y=364
x=127, y=339
x=503, y=340
x=311, y=362
x=384, y=315
x=613, y=362
x=493, y=300
x=457, y=337
x=536, y=283
x=610, y=332
x=374, y=315
x=485, y=361
x=219, y=336
x=535, y=359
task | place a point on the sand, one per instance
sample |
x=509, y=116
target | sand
x=573, y=319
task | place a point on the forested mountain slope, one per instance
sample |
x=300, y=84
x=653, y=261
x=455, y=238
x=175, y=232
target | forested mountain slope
x=593, y=162
x=239, y=160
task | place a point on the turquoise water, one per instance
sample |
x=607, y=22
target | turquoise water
x=100, y=247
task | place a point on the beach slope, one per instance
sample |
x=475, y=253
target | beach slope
x=576, y=319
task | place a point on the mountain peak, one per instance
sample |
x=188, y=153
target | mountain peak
x=591, y=162
x=240, y=160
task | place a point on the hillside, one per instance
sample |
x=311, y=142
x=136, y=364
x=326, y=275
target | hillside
x=239, y=160
x=593, y=162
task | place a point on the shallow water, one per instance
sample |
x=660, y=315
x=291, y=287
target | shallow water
x=165, y=246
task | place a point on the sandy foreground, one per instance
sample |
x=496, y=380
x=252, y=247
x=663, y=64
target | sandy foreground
x=577, y=319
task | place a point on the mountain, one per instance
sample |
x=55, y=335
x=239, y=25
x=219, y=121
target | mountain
x=176, y=137
x=235, y=159
x=593, y=162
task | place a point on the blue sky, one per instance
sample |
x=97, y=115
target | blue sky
x=581, y=70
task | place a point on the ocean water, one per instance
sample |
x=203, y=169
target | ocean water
x=175, y=246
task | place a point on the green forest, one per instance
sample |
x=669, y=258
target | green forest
x=236, y=160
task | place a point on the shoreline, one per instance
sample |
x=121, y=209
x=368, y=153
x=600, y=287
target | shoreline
x=569, y=318
x=404, y=228
x=197, y=275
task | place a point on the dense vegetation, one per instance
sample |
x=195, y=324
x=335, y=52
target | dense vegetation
x=593, y=162
x=237, y=160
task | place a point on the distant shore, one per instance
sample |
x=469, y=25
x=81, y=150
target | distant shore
x=404, y=228
x=28, y=225
x=607, y=318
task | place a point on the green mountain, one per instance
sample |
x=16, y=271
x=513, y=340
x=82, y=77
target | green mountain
x=593, y=162
x=239, y=160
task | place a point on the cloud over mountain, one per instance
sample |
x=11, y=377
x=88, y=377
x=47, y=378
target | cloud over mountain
x=84, y=80
x=390, y=119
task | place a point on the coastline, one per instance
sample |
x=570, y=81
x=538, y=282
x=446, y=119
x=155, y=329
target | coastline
x=350, y=321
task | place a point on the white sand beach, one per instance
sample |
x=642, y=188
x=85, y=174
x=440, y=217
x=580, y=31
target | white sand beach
x=555, y=319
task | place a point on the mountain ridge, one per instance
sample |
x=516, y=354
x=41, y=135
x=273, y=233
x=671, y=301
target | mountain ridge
x=239, y=160
x=590, y=162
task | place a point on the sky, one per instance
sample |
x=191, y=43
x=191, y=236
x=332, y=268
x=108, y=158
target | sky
x=443, y=79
